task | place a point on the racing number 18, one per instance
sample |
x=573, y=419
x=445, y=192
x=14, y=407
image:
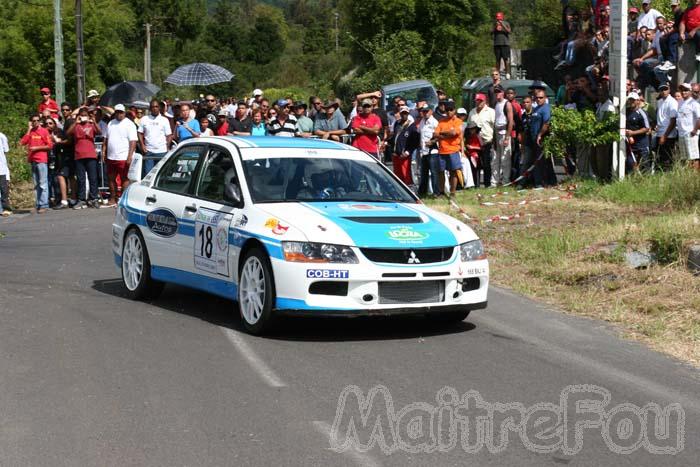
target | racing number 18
x=206, y=246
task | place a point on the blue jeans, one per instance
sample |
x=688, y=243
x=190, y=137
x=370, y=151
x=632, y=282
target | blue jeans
x=40, y=175
x=434, y=163
x=87, y=167
x=149, y=163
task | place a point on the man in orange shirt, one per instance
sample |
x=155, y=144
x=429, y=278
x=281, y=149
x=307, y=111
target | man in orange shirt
x=448, y=134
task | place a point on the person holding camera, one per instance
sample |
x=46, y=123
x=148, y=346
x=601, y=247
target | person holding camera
x=83, y=133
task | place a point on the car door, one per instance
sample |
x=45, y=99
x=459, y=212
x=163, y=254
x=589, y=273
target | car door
x=168, y=230
x=212, y=251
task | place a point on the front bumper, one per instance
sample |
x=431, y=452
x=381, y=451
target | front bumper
x=362, y=288
x=423, y=310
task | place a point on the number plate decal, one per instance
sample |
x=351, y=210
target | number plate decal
x=211, y=241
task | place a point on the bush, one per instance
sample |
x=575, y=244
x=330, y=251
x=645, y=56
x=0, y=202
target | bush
x=570, y=127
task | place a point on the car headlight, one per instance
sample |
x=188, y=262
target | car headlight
x=308, y=252
x=472, y=251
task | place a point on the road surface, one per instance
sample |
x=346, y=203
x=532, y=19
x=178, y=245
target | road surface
x=88, y=377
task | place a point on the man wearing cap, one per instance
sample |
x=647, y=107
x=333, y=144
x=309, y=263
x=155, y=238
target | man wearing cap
x=241, y=124
x=666, y=132
x=155, y=136
x=428, y=162
x=637, y=133
x=47, y=103
x=648, y=17
x=118, y=150
x=449, y=137
x=501, y=152
x=329, y=123
x=501, y=42
x=222, y=123
x=366, y=126
x=283, y=124
x=93, y=98
x=406, y=141
x=257, y=97
x=688, y=124
x=485, y=118
x=304, y=123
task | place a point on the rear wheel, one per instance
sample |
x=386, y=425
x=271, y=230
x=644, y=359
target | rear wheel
x=136, y=268
x=256, y=292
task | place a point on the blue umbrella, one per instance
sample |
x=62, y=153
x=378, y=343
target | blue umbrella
x=199, y=74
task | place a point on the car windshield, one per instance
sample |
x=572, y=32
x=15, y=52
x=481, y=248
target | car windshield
x=289, y=179
x=413, y=96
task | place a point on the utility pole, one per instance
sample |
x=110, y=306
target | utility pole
x=59, y=71
x=80, y=53
x=147, y=55
x=618, y=80
x=336, y=31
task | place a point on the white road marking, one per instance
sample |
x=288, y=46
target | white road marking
x=254, y=360
x=363, y=459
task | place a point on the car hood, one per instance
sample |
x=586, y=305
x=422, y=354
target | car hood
x=373, y=225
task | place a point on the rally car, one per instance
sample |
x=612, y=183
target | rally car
x=294, y=226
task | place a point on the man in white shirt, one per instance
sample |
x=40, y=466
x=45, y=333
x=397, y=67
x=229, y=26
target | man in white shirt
x=501, y=152
x=428, y=162
x=155, y=136
x=688, y=124
x=666, y=132
x=4, y=177
x=485, y=118
x=648, y=18
x=118, y=150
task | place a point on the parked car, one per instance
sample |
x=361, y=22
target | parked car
x=474, y=86
x=295, y=226
x=413, y=91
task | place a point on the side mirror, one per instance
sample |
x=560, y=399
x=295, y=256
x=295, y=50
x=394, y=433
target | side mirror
x=232, y=193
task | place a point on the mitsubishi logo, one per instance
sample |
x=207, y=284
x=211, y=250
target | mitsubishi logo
x=413, y=259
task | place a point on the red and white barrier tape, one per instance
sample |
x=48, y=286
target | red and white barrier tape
x=569, y=195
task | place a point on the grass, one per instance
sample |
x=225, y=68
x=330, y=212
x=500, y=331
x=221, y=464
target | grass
x=570, y=252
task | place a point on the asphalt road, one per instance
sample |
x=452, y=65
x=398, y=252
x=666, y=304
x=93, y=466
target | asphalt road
x=90, y=378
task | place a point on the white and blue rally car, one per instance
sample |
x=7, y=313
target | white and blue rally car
x=298, y=226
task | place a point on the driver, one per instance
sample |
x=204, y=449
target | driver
x=325, y=187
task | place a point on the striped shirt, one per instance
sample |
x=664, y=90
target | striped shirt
x=288, y=128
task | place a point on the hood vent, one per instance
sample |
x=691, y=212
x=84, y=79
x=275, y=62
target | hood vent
x=385, y=219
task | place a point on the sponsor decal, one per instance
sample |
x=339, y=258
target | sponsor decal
x=241, y=221
x=363, y=207
x=162, y=222
x=211, y=247
x=459, y=271
x=276, y=226
x=475, y=271
x=406, y=234
x=327, y=274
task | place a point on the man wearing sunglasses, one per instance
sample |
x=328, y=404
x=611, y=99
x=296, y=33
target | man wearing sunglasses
x=47, y=103
x=39, y=143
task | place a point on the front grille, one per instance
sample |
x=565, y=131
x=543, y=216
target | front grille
x=406, y=293
x=404, y=256
x=385, y=219
x=338, y=288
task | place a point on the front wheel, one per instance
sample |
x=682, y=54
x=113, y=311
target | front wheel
x=136, y=268
x=256, y=292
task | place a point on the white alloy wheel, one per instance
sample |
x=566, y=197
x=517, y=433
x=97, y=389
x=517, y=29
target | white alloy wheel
x=132, y=261
x=252, y=290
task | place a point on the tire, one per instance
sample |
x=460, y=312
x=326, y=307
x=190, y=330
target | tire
x=256, y=292
x=136, y=268
x=448, y=316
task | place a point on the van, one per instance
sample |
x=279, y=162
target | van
x=413, y=91
x=472, y=87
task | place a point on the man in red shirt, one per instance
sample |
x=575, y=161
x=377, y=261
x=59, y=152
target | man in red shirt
x=690, y=27
x=48, y=104
x=39, y=143
x=366, y=126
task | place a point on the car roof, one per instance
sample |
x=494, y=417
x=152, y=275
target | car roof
x=278, y=142
x=405, y=85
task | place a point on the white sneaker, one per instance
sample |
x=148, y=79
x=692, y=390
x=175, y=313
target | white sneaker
x=697, y=57
x=668, y=66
